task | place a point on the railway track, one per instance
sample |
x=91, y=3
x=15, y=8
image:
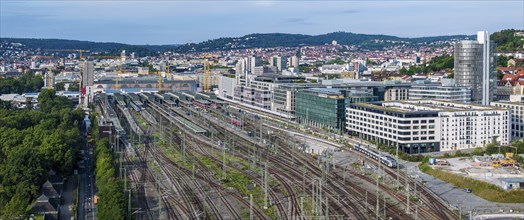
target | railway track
x=286, y=173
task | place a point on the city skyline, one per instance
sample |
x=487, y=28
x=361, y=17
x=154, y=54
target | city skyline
x=179, y=22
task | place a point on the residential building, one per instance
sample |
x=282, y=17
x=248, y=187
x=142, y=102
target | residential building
x=293, y=61
x=439, y=91
x=279, y=62
x=418, y=126
x=475, y=67
x=517, y=116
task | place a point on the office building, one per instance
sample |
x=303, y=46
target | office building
x=284, y=96
x=440, y=91
x=419, y=126
x=475, y=67
x=88, y=74
x=322, y=107
x=257, y=91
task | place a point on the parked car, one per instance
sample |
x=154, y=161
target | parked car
x=468, y=190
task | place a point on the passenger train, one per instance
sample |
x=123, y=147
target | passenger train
x=384, y=159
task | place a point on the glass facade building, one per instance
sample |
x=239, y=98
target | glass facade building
x=322, y=107
x=475, y=67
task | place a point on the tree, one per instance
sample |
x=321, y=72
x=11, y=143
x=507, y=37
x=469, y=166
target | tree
x=59, y=86
x=500, y=75
x=73, y=87
x=6, y=105
x=45, y=100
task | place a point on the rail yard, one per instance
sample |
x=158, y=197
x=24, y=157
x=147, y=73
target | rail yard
x=191, y=158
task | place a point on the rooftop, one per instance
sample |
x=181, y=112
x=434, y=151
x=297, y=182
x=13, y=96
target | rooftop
x=426, y=105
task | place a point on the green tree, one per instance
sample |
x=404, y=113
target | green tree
x=59, y=86
x=73, y=87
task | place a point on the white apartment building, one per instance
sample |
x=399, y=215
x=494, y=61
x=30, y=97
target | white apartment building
x=418, y=126
x=516, y=119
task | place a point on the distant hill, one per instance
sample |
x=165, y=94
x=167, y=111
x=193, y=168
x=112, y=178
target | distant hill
x=294, y=40
x=102, y=47
x=507, y=41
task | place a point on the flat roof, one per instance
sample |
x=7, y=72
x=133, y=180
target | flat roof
x=328, y=91
x=190, y=125
x=512, y=180
x=420, y=106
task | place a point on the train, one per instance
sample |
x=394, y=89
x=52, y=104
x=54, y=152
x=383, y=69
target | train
x=236, y=122
x=384, y=159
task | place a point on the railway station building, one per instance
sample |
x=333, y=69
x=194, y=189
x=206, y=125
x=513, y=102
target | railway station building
x=419, y=126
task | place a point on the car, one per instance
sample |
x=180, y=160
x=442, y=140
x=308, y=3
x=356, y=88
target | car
x=468, y=190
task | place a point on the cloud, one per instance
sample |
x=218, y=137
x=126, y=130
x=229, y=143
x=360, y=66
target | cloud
x=349, y=11
x=299, y=21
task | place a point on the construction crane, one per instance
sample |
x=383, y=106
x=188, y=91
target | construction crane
x=49, y=77
x=207, y=71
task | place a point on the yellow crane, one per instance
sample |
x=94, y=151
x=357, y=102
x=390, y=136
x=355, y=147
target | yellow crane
x=207, y=71
x=49, y=78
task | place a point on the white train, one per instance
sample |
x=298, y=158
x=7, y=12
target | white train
x=384, y=159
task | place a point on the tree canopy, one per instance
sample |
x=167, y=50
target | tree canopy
x=32, y=143
x=28, y=82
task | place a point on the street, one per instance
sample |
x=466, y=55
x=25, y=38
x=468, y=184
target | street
x=87, y=209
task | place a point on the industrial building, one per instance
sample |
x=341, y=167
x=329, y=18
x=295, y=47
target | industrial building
x=418, y=126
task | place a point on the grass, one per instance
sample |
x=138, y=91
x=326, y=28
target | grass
x=482, y=189
x=141, y=121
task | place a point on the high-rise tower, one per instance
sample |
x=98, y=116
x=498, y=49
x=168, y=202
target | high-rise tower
x=475, y=67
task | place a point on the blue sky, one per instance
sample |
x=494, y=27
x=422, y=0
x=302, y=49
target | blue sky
x=173, y=22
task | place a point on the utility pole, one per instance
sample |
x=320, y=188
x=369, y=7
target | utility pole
x=184, y=148
x=327, y=207
x=416, y=212
x=398, y=166
x=265, y=186
x=378, y=195
x=302, y=206
x=224, y=161
x=344, y=174
x=250, y=206
x=385, y=206
x=193, y=169
x=129, y=203
x=366, y=202
x=407, y=192
x=313, y=197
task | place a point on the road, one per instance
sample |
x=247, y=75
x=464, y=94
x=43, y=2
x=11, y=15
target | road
x=87, y=188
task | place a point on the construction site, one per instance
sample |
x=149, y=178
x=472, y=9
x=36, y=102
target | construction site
x=501, y=170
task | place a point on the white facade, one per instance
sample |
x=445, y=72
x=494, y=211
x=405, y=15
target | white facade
x=516, y=119
x=428, y=125
x=334, y=69
x=226, y=87
x=437, y=91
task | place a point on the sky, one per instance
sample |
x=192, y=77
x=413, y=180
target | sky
x=179, y=22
